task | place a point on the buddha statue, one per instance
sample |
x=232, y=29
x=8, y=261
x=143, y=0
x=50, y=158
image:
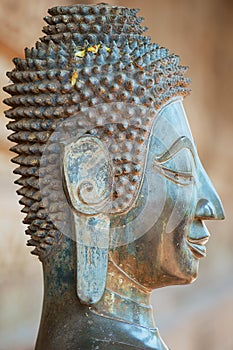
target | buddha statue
x=111, y=183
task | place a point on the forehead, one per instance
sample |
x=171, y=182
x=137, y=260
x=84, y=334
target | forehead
x=171, y=123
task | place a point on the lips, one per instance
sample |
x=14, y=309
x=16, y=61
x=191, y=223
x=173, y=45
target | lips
x=197, y=246
x=197, y=239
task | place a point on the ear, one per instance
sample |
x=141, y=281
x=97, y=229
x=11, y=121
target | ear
x=87, y=175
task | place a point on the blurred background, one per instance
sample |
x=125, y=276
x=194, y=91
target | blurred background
x=195, y=317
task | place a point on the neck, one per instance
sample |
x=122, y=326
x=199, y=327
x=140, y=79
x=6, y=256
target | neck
x=125, y=300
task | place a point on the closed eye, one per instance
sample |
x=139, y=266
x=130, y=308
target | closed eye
x=179, y=176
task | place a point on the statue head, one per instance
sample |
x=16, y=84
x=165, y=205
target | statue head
x=105, y=152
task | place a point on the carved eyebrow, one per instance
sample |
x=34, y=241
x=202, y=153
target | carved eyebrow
x=182, y=142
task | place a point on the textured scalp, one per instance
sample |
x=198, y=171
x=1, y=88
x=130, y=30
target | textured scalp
x=90, y=55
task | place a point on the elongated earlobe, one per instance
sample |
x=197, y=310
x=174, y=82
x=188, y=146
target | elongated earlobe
x=88, y=185
x=92, y=258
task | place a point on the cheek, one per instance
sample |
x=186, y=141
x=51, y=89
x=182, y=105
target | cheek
x=167, y=201
x=155, y=191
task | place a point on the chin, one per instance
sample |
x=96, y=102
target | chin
x=188, y=273
x=184, y=271
x=167, y=278
x=188, y=279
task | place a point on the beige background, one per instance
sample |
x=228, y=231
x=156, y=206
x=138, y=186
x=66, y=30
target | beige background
x=196, y=317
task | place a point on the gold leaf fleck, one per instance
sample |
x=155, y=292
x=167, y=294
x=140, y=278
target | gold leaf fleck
x=74, y=78
x=93, y=49
x=80, y=53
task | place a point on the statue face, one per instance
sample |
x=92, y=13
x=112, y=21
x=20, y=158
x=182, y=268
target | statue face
x=181, y=196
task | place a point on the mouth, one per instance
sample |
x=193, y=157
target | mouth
x=197, y=246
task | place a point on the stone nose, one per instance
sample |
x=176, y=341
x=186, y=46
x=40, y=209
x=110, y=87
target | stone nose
x=209, y=206
x=206, y=210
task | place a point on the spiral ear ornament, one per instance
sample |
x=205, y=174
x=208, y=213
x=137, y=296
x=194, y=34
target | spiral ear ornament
x=87, y=177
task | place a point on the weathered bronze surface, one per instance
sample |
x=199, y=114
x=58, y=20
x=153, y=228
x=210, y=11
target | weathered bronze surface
x=111, y=182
